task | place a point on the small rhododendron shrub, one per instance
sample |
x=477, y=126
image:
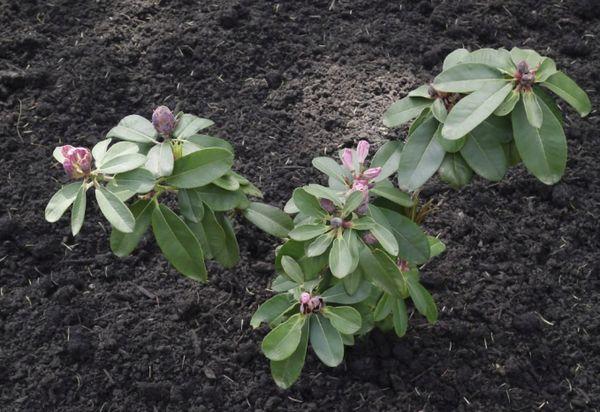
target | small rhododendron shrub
x=487, y=111
x=349, y=265
x=140, y=164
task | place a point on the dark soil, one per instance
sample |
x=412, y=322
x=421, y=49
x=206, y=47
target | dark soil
x=81, y=330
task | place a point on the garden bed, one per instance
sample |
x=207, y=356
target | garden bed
x=80, y=329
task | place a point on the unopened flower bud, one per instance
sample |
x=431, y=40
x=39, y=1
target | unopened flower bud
x=362, y=151
x=336, y=222
x=371, y=173
x=369, y=239
x=316, y=303
x=523, y=67
x=163, y=120
x=403, y=265
x=347, y=159
x=327, y=205
x=309, y=304
x=361, y=185
x=304, y=297
x=77, y=161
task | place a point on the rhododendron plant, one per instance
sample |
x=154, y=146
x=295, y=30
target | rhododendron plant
x=349, y=265
x=146, y=162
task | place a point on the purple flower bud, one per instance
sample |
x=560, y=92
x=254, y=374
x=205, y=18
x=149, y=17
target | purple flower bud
x=336, y=222
x=523, y=67
x=309, y=304
x=361, y=185
x=369, y=239
x=347, y=159
x=363, y=209
x=316, y=303
x=163, y=120
x=371, y=173
x=327, y=205
x=77, y=161
x=362, y=150
x=304, y=297
x=403, y=265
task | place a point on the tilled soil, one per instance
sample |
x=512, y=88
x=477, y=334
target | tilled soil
x=81, y=330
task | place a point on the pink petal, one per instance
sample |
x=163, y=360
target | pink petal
x=347, y=161
x=362, y=150
x=372, y=173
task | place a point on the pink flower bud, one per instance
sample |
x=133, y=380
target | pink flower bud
x=163, y=120
x=362, y=150
x=327, y=205
x=304, y=297
x=347, y=159
x=77, y=161
x=361, y=185
x=316, y=304
x=371, y=173
x=369, y=239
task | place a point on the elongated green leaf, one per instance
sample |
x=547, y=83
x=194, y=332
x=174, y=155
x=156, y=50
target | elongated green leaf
x=393, y=194
x=188, y=125
x=136, y=181
x=160, y=160
x=114, y=210
x=438, y=109
x=451, y=146
x=380, y=270
x=436, y=246
x=340, y=258
x=353, y=201
x=473, y=109
x=530, y=56
x=98, y=151
x=353, y=280
x=386, y=239
x=60, y=202
x=122, y=244
x=322, y=192
x=121, y=164
x=549, y=102
x=229, y=255
x=383, y=308
x=134, y=128
x=205, y=141
x=496, y=58
x=345, y=319
x=455, y=171
x=421, y=91
x=388, y=158
x=532, y=109
x=200, y=168
x=320, y=244
x=468, y=77
x=567, y=89
x=512, y=154
x=543, y=150
x=272, y=309
x=404, y=110
x=547, y=68
x=178, y=243
x=306, y=232
x=499, y=128
x=330, y=167
x=269, y=219
x=307, y=203
x=292, y=269
x=422, y=300
x=412, y=242
x=78, y=210
x=399, y=316
x=227, y=182
x=287, y=371
x=338, y=294
x=485, y=156
x=282, y=341
x=190, y=205
x=508, y=104
x=421, y=157
x=218, y=199
x=326, y=341
x=453, y=58
x=424, y=116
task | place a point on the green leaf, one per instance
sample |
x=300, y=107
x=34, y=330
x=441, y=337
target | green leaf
x=188, y=125
x=455, y=171
x=451, y=146
x=436, y=246
x=178, y=243
x=412, y=242
x=549, y=102
x=320, y=244
x=421, y=157
x=338, y=294
x=388, y=158
x=512, y=154
x=229, y=254
x=227, y=182
x=399, y=316
x=322, y=192
x=345, y=319
x=543, y=150
x=213, y=232
x=547, y=68
x=122, y=244
x=134, y=128
x=347, y=339
x=292, y=269
x=497, y=58
x=421, y=91
x=114, y=210
x=200, y=233
x=340, y=258
x=468, y=77
x=98, y=151
x=386, y=239
x=219, y=199
x=60, y=202
x=508, y=104
x=330, y=167
x=200, y=168
x=307, y=232
x=530, y=56
x=190, y=205
x=136, y=181
x=393, y=194
x=282, y=341
x=205, y=141
x=438, y=109
x=326, y=341
x=307, y=203
x=422, y=300
x=383, y=308
x=353, y=201
x=484, y=154
x=500, y=128
x=272, y=309
x=269, y=219
x=404, y=110
x=353, y=280
x=567, y=89
x=160, y=160
x=454, y=58
x=121, y=157
x=424, y=116
x=287, y=371
x=532, y=109
x=473, y=109
x=78, y=210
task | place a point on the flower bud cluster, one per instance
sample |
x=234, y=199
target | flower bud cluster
x=76, y=161
x=354, y=161
x=310, y=304
x=449, y=99
x=525, y=76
